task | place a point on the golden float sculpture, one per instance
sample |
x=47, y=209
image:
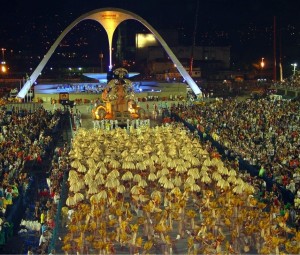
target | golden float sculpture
x=118, y=100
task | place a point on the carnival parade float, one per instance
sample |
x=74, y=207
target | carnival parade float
x=118, y=100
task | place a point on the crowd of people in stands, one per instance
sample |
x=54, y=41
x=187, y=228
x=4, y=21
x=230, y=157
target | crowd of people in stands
x=25, y=141
x=292, y=82
x=263, y=132
x=47, y=203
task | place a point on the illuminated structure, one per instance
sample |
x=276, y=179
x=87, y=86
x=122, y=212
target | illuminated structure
x=294, y=65
x=3, y=63
x=109, y=18
x=118, y=100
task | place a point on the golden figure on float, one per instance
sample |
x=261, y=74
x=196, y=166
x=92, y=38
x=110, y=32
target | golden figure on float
x=118, y=100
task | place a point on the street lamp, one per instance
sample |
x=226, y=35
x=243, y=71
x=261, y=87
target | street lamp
x=262, y=63
x=3, y=64
x=294, y=65
x=101, y=61
x=3, y=59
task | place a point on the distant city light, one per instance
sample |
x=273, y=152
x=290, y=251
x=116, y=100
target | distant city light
x=3, y=63
x=3, y=67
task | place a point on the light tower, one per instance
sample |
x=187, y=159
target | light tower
x=101, y=61
x=294, y=65
x=3, y=63
x=262, y=65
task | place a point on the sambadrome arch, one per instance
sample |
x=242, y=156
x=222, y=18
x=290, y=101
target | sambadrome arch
x=109, y=18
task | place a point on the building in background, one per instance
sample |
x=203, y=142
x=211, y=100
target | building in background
x=208, y=61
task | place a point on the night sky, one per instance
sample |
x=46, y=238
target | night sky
x=221, y=12
x=214, y=15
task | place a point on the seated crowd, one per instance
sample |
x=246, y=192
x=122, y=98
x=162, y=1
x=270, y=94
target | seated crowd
x=263, y=132
x=47, y=203
x=25, y=140
x=292, y=82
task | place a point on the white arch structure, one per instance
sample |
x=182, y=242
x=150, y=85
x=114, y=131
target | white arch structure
x=109, y=18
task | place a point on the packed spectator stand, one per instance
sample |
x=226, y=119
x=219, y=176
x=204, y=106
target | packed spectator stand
x=28, y=138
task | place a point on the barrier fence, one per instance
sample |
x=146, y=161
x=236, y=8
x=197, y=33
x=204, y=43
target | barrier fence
x=20, y=107
x=59, y=228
